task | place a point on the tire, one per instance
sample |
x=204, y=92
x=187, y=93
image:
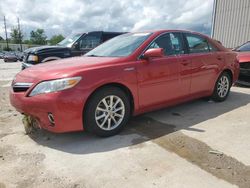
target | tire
x=100, y=119
x=222, y=87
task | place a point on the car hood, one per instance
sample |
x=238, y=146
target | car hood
x=243, y=57
x=64, y=68
x=43, y=49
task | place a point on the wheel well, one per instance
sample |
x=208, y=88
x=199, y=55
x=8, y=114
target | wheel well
x=230, y=74
x=125, y=89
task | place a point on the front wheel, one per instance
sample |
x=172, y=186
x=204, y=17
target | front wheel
x=107, y=112
x=222, y=87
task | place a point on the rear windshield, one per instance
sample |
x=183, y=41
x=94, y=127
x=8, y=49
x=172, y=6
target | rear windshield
x=244, y=48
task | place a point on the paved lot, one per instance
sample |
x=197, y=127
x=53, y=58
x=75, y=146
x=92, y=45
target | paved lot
x=196, y=144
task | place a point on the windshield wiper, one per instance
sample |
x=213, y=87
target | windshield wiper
x=92, y=55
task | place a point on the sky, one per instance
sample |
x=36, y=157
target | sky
x=67, y=16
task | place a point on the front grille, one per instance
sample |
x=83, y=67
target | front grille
x=245, y=65
x=21, y=87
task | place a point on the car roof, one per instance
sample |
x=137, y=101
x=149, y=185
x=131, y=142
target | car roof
x=170, y=30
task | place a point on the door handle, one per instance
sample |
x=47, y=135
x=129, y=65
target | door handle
x=219, y=58
x=185, y=62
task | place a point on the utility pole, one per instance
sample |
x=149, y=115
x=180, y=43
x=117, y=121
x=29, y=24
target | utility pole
x=6, y=33
x=19, y=33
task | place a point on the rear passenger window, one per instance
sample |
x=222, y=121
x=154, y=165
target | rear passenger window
x=212, y=48
x=197, y=44
x=171, y=43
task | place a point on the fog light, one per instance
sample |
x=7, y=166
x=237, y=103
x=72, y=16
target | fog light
x=51, y=118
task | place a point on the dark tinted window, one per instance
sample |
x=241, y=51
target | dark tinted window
x=90, y=41
x=244, y=47
x=197, y=44
x=212, y=48
x=171, y=43
x=107, y=36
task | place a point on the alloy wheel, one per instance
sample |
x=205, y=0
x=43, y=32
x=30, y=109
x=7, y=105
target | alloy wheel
x=110, y=112
x=223, y=86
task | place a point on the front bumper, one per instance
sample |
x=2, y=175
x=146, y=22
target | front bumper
x=244, y=72
x=245, y=69
x=66, y=107
x=244, y=76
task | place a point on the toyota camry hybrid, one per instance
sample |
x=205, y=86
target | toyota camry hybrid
x=128, y=75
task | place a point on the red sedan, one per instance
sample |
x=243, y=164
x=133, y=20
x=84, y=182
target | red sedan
x=244, y=60
x=127, y=75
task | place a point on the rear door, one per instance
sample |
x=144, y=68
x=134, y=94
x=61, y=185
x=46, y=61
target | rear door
x=205, y=63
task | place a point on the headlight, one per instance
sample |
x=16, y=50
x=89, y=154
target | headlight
x=33, y=58
x=55, y=85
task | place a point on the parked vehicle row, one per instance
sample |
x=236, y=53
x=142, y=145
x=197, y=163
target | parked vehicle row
x=9, y=56
x=128, y=75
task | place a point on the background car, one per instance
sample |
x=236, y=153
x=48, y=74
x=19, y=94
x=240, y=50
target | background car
x=10, y=57
x=73, y=45
x=1, y=55
x=127, y=75
x=244, y=59
x=19, y=55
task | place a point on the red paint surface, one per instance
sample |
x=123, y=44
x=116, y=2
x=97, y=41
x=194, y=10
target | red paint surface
x=244, y=57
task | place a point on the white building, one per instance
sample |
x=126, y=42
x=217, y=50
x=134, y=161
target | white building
x=231, y=22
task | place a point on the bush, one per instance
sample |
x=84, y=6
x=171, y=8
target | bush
x=7, y=49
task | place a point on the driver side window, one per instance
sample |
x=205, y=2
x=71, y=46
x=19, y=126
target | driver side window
x=171, y=43
x=90, y=41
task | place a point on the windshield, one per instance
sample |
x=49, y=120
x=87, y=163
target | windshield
x=244, y=48
x=68, y=41
x=120, y=46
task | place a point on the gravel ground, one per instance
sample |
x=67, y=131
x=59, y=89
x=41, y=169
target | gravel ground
x=196, y=144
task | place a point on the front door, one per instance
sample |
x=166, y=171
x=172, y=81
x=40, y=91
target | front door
x=165, y=78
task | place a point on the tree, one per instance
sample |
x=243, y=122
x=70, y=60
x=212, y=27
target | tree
x=38, y=37
x=27, y=41
x=1, y=38
x=7, y=48
x=16, y=36
x=56, y=39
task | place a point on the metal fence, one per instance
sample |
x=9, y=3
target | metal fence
x=231, y=22
x=16, y=47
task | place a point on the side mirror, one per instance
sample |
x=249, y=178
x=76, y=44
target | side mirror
x=154, y=52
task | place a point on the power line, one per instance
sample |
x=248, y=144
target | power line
x=6, y=36
x=19, y=35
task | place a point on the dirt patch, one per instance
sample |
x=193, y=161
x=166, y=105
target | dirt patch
x=2, y=185
x=28, y=170
x=22, y=169
x=195, y=151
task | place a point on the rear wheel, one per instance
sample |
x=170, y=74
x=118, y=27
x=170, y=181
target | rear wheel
x=107, y=112
x=222, y=87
